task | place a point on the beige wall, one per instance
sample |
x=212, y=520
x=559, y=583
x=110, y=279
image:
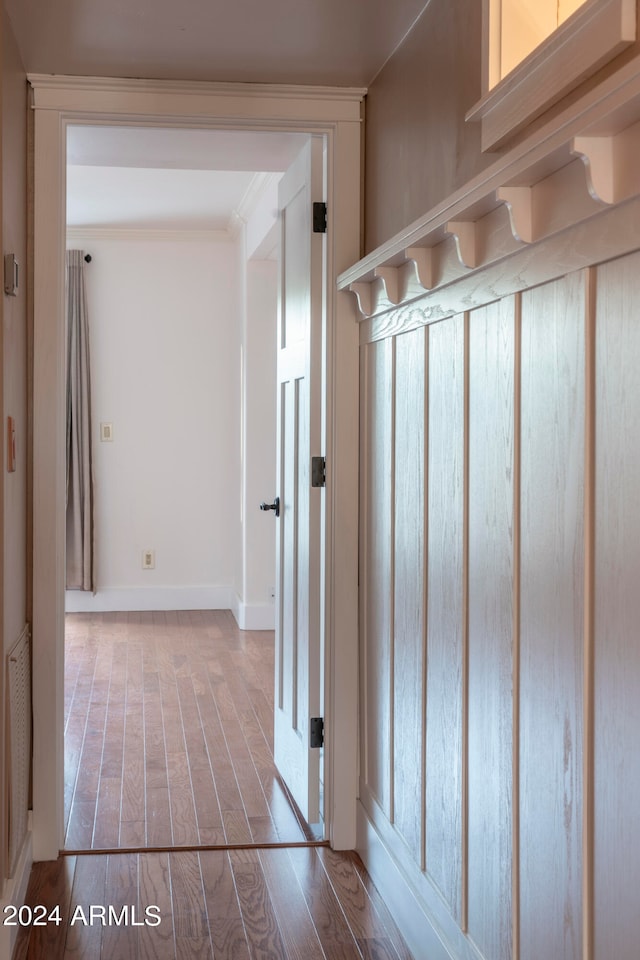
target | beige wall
x=14, y=348
x=418, y=147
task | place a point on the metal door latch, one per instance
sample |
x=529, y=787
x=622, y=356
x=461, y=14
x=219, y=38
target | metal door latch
x=319, y=217
x=318, y=471
x=316, y=732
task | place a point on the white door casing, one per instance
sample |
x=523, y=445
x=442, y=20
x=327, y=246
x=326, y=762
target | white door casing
x=298, y=537
x=334, y=114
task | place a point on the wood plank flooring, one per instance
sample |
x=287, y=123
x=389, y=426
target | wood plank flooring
x=275, y=904
x=169, y=733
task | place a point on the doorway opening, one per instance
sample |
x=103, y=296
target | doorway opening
x=168, y=740
x=337, y=116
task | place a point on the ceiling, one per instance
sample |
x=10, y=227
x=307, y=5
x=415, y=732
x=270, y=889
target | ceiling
x=161, y=179
x=180, y=149
x=152, y=199
x=328, y=42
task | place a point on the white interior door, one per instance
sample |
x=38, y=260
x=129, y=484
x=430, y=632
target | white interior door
x=298, y=541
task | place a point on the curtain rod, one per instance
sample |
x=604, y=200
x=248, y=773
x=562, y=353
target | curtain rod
x=87, y=258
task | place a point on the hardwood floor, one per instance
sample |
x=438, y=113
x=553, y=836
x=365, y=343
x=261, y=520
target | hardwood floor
x=169, y=733
x=275, y=904
x=168, y=743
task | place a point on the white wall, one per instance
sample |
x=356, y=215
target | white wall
x=164, y=345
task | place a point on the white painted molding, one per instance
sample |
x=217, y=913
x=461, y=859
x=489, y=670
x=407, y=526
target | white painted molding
x=610, y=235
x=465, y=234
x=150, y=598
x=518, y=201
x=364, y=296
x=235, y=224
x=252, y=105
x=597, y=154
x=399, y=893
x=424, y=262
x=78, y=234
x=187, y=88
x=413, y=897
x=565, y=174
x=390, y=283
x=260, y=184
x=613, y=172
x=254, y=616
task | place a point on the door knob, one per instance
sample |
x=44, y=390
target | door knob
x=275, y=506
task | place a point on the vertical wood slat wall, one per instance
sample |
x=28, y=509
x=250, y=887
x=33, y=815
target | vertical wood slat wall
x=500, y=616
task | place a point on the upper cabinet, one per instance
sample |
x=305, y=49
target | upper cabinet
x=537, y=51
x=519, y=26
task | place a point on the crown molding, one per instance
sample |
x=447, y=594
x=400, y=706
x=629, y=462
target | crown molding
x=146, y=233
x=260, y=183
x=202, y=102
x=46, y=81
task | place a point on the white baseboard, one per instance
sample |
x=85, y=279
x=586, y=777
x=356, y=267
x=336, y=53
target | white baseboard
x=254, y=616
x=398, y=893
x=149, y=598
x=15, y=893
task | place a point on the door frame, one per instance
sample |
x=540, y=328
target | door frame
x=58, y=102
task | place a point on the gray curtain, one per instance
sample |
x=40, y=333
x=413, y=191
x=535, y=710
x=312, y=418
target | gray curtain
x=80, y=565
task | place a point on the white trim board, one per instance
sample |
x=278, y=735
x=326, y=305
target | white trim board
x=149, y=598
x=254, y=616
x=79, y=234
x=248, y=616
x=398, y=893
x=334, y=114
x=238, y=106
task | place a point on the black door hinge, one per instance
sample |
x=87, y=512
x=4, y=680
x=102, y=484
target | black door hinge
x=316, y=732
x=320, y=217
x=318, y=471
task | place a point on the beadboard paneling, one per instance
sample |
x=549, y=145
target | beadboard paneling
x=617, y=612
x=512, y=587
x=551, y=609
x=445, y=610
x=377, y=527
x=408, y=647
x=491, y=483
